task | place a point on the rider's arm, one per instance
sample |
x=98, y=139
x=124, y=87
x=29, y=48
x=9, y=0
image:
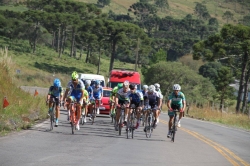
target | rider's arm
x=169, y=104
x=116, y=99
x=183, y=102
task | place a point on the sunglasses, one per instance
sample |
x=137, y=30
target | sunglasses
x=74, y=79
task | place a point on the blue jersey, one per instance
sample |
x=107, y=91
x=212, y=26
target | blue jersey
x=90, y=92
x=55, y=91
x=97, y=92
x=143, y=92
x=76, y=91
x=135, y=97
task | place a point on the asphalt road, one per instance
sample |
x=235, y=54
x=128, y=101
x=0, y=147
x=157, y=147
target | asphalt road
x=197, y=143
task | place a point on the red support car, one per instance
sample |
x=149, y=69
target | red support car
x=105, y=107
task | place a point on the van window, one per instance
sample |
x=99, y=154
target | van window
x=93, y=82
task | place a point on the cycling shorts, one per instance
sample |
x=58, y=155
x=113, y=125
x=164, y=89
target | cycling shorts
x=171, y=113
x=56, y=99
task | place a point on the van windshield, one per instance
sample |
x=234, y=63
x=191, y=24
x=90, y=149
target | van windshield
x=114, y=84
x=93, y=82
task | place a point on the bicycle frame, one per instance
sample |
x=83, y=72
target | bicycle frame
x=149, y=122
x=73, y=116
x=94, y=111
x=174, y=125
x=130, y=124
x=120, y=123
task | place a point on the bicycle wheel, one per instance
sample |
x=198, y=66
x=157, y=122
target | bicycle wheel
x=120, y=124
x=52, y=118
x=83, y=117
x=93, y=115
x=149, y=127
x=173, y=129
x=132, y=124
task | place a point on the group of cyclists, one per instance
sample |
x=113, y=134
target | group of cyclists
x=124, y=93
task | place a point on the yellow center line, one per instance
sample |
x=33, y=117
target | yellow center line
x=226, y=153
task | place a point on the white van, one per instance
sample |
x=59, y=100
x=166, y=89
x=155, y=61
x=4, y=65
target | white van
x=92, y=78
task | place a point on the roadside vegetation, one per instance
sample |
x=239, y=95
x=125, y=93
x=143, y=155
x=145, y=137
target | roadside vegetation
x=167, y=41
x=24, y=109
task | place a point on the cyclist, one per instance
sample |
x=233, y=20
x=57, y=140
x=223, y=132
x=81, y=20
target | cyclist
x=154, y=100
x=157, y=87
x=112, y=97
x=176, y=101
x=90, y=94
x=136, y=98
x=122, y=98
x=55, y=93
x=97, y=95
x=144, y=89
x=76, y=87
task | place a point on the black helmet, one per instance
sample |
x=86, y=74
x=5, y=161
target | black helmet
x=132, y=86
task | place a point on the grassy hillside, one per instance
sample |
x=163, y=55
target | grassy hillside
x=23, y=108
x=41, y=68
x=180, y=8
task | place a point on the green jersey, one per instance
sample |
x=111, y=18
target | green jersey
x=177, y=99
x=113, y=92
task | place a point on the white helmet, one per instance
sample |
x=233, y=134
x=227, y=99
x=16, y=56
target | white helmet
x=126, y=83
x=176, y=87
x=145, y=87
x=88, y=82
x=151, y=88
x=157, y=86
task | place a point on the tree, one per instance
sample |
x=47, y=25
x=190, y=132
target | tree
x=228, y=16
x=162, y=4
x=210, y=70
x=201, y=11
x=142, y=10
x=159, y=56
x=231, y=44
x=193, y=85
x=221, y=83
x=103, y=2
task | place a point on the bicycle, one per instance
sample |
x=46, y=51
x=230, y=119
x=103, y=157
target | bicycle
x=131, y=121
x=174, y=125
x=52, y=114
x=111, y=103
x=83, y=115
x=73, y=116
x=149, y=122
x=122, y=116
x=94, y=111
x=143, y=114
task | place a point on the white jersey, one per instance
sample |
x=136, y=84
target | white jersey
x=123, y=95
x=153, y=97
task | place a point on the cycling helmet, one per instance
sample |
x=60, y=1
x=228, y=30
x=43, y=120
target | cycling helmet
x=74, y=75
x=119, y=85
x=157, y=86
x=97, y=82
x=87, y=82
x=132, y=86
x=176, y=87
x=145, y=87
x=151, y=88
x=126, y=83
x=57, y=83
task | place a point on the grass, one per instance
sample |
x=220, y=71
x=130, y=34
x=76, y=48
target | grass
x=23, y=109
x=41, y=68
x=226, y=118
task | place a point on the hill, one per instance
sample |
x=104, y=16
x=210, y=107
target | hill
x=180, y=8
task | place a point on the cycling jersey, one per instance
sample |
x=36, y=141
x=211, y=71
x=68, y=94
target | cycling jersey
x=153, y=97
x=123, y=95
x=97, y=92
x=86, y=95
x=143, y=92
x=176, y=100
x=135, y=97
x=113, y=92
x=76, y=92
x=159, y=91
x=90, y=92
x=56, y=92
